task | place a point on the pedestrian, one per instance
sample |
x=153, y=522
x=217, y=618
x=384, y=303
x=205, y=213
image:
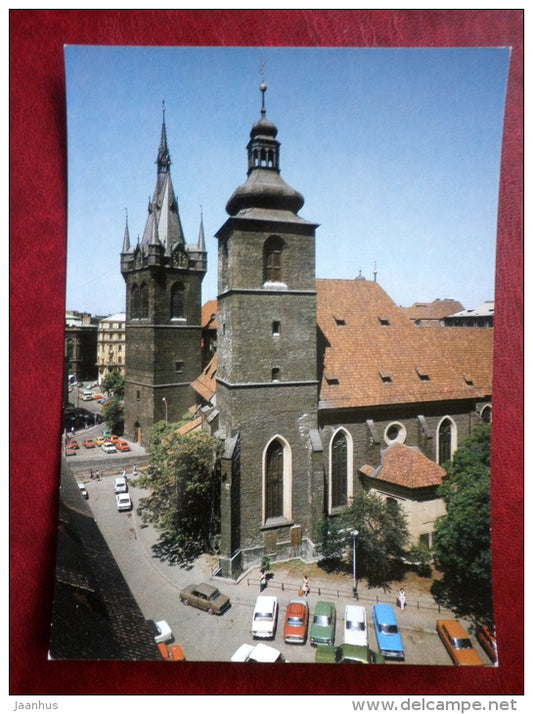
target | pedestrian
x=305, y=586
x=92, y=475
x=262, y=581
x=124, y=474
x=97, y=475
x=401, y=599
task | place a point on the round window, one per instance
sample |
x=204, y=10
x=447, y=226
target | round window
x=395, y=432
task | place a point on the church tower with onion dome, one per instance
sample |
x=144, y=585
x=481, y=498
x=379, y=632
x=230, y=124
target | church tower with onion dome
x=267, y=388
x=163, y=276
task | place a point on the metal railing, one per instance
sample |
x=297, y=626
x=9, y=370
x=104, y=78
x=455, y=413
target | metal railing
x=331, y=592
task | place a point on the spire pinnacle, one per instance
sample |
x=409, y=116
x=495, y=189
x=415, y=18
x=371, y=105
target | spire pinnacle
x=126, y=246
x=163, y=156
x=263, y=89
x=201, y=235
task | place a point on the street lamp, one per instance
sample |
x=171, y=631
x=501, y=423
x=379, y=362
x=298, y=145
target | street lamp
x=166, y=409
x=354, y=535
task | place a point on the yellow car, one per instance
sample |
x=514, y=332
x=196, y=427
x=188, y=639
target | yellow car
x=99, y=440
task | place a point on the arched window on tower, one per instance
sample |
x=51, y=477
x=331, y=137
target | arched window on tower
x=274, y=481
x=135, y=308
x=273, y=259
x=143, y=302
x=446, y=439
x=177, y=301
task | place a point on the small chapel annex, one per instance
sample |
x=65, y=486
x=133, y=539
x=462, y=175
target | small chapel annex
x=316, y=388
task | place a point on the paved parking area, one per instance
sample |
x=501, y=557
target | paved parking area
x=156, y=586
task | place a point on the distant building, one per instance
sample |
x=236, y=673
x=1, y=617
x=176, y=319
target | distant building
x=111, y=345
x=80, y=346
x=431, y=314
x=480, y=316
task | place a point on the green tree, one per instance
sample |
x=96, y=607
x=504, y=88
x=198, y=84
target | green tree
x=461, y=542
x=381, y=541
x=113, y=382
x=113, y=415
x=183, y=502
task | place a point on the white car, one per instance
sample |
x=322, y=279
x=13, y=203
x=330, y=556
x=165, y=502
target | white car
x=355, y=629
x=160, y=630
x=120, y=484
x=265, y=616
x=109, y=448
x=257, y=653
x=123, y=502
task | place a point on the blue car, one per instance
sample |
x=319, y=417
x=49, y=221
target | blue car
x=387, y=633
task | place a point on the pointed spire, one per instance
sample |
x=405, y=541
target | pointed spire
x=126, y=246
x=201, y=236
x=163, y=156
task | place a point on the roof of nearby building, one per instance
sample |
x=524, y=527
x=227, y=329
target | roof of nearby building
x=209, y=314
x=372, y=354
x=406, y=466
x=190, y=426
x=486, y=309
x=436, y=310
x=117, y=317
x=95, y=615
x=205, y=384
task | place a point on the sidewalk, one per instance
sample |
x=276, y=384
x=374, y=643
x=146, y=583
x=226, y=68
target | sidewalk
x=420, y=614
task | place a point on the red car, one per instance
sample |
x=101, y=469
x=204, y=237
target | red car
x=172, y=653
x=296, y=618
x=122, y=445
x=88, y=443
x=487, y=640
x=72, y=444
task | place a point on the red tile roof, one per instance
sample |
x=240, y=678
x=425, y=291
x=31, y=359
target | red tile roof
x=406, y=466
x=436, y=310
x=374, y=355
x=209, y=310
x=205, y=384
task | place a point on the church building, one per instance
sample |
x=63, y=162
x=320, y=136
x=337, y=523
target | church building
x=318, y=388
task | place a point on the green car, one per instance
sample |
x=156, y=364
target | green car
x=323, y=624
x=347, y=654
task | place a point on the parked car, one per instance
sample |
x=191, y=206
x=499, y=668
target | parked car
x=172, y=653
x=296, y=619
x=98, y=396
x=86, y=396
x=83, y=490
x=88, y=443
x=323, y=624
x=99, y=440
x=122, y=445
x=72, y=444
x=387, y=633
x=457, y=643
x=355, y=629
x=105, y=433
x=205, y=597
x=487, y=639
x=109, y=447
x=265, y=615
x=70, y=451
x=347, y=654
x=257, y=653
x=123, y=501
x=160, y=630
x=120, y=484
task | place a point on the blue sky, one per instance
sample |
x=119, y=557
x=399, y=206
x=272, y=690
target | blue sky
x=396, y=152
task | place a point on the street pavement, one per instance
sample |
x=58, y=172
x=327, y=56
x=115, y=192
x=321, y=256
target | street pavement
x=156, y=584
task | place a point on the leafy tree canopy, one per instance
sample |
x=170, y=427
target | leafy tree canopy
x=381, y=540
x=183, y=500
x=461, y=542
x=113, y=415
x=114, y=382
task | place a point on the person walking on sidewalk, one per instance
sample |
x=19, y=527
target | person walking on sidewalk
x=262, y=581
x=305, y=586
x=401, y=599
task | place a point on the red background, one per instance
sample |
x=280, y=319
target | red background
x=38, y=167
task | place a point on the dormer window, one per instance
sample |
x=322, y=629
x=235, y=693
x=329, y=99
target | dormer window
x=423, y=374
x=383, y=320
x=385, y=376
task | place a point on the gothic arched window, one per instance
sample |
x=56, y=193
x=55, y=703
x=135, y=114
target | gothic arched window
x=143, y=302
x=135, y=307
x=339, y=470
x=445, y=441
x=177, y=300
x=272, y=259
x=274, y=480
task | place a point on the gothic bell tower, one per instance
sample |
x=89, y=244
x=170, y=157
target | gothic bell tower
x=267, y=364
x=163, y=278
